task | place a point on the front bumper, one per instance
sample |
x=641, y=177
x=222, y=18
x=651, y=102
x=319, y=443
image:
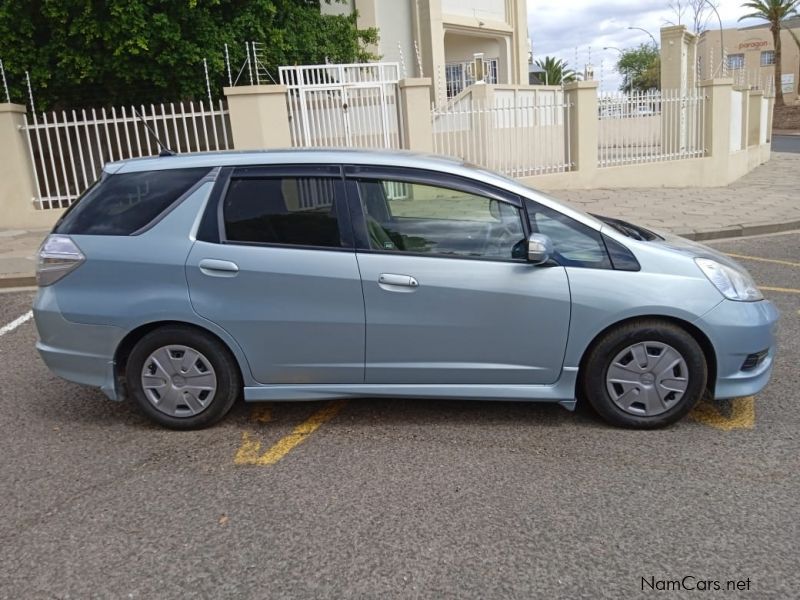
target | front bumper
x=736, y=330
x=77, y=352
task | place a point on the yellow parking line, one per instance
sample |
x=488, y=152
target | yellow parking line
x=249, y=452
x=779, y=289
x=741, y=414
x=786, y=263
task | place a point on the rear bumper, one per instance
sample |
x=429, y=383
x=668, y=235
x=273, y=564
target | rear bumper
x=75, y=351
x=736, y=330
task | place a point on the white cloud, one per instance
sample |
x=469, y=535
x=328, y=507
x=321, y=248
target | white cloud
x=582, y=28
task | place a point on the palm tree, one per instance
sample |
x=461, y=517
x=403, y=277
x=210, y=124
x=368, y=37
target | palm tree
x=773, y=11
x=556, y=71
x=796, y=41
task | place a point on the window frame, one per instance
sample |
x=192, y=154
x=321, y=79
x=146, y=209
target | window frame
x=212, y=224
x=740, y=61
x=355, y=173
x=767, y=53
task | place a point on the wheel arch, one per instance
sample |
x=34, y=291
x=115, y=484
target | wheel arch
x=699, y=336
x=130, y=340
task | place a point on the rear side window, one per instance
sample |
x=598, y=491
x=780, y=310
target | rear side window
x=124, y=203
x=293, y=211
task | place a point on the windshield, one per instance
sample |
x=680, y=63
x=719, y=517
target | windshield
x=630, y=230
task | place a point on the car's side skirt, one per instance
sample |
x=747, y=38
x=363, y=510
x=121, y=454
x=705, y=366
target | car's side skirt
x=563, y=391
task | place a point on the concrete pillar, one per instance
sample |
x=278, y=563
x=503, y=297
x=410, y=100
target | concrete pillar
x=429, y=30
x=754, y=118
x=415, y=114
x=367, y=16
x=678, y=58
x=718, y=125
x=745, y=124
x=259, y=117
x=519, y=70
x=771, y=115
x=17, y=185
x=582, y=96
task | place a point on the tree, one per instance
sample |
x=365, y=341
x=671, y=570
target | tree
x=797, y=42
x=556, y=71
x=773, y=11
x=640, y=68
x=698, y=11
x=92, y=53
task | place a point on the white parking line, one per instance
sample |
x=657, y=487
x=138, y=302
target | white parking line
x=16, y=323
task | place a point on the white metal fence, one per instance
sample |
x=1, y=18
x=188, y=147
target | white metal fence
x=651, y=126
x=349, y=105
x=519, y=135
x=754, y=80
x=69, y=148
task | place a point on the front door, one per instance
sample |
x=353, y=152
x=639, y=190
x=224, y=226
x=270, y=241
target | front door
x=449, y=296
x=283, y=277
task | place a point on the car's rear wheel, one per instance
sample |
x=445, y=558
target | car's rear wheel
x=182, y=378
x=645, y=374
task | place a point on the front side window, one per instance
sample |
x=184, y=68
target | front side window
x=295, y=211
x=575, y=244
x=767, y=58
x=425, y=219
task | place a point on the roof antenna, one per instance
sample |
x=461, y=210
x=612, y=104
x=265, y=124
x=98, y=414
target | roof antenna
x=165, y=151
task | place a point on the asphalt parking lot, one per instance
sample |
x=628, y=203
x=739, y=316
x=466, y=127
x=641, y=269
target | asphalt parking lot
x=398, y=498
x=786, y=143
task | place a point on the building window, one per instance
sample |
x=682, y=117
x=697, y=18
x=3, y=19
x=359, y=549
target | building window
x=461, y=75
x=735, y=61
x=767, y=58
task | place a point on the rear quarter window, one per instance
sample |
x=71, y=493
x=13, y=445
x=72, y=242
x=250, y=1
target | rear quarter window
x=124, y=203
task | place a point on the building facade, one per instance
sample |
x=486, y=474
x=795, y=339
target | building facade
x=448, y=34
x=751, y=57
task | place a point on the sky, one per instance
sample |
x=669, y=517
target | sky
x=558, y=27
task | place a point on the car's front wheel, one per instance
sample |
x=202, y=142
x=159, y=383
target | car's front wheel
x=182, y=378
x=645, y=374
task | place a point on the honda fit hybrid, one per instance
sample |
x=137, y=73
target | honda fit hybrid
x=185, y=282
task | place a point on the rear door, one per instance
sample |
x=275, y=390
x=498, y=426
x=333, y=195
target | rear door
x=275, y=266
x=449, y=296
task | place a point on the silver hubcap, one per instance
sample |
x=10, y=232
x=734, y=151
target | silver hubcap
x=647, y=378
x=179, y=381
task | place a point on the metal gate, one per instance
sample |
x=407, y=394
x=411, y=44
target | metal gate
x=351, y=106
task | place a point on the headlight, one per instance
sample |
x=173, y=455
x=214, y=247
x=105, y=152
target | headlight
x=734, y=284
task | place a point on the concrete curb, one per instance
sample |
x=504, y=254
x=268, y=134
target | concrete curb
x=697, y=235
x=735, y=231
x=18, y=281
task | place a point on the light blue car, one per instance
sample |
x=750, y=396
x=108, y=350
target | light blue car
x=185, y=282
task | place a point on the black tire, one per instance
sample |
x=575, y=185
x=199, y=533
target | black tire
x=226, y=370
x=602, y=354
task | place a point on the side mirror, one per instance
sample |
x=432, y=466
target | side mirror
x=540, y=249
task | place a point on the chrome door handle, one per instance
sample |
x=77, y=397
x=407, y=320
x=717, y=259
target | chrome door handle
x=398, y=280
x=218, y=268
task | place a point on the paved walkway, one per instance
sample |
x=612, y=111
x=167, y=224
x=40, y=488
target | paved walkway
x=764, y=201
